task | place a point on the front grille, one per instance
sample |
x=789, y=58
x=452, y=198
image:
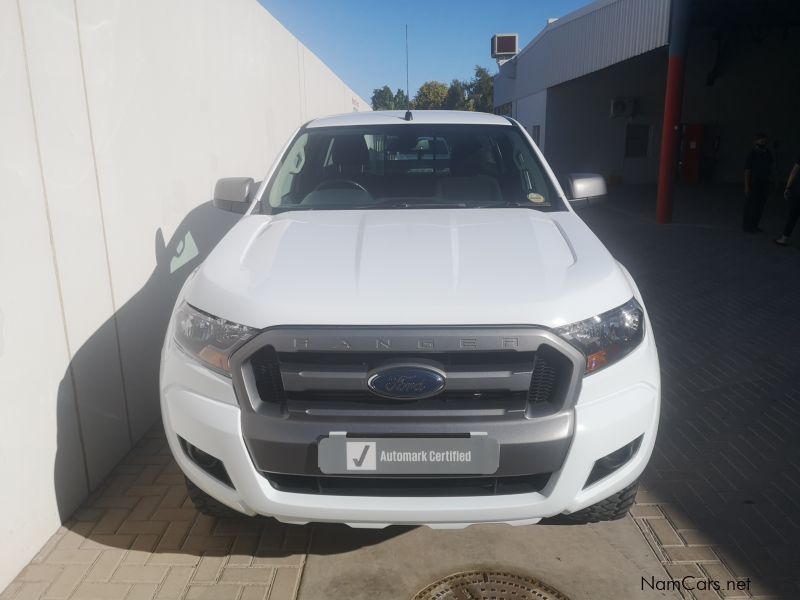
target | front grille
x=368, y=397
x=550, y=378
x=421, y=486
x=267, y=375
x=546, y=372
x=322, y=371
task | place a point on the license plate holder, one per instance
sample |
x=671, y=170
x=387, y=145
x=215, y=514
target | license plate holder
x=475, y=454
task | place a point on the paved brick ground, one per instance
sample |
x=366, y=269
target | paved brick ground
x=720, y=498
x=138, y=538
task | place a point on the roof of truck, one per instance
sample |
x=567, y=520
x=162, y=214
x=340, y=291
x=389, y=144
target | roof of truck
x=389, y=117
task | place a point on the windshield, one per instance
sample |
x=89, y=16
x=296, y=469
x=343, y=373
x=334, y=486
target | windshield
x=410, y=166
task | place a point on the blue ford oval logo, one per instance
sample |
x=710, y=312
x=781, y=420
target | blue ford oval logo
x=407, y=382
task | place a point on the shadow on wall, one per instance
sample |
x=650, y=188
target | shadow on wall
x=108, y=397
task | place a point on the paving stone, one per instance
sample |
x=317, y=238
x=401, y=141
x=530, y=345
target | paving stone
x=284, y=586
x=31, y=591
x=101, y=591
x=243, y=549
x=39, y=573
x=72, y=557
x=173, y=536
x=646, y=510
x=142, y=591
x=175, y=583
x=63, y=585
x=102, y=541
x=11, y=590
x=209, y=569
x=286, y=560
x=696, y=537
x=172, y=559
x=137, y=527
x=664, y=532
x=141, y=573
x=104, y=567
x=214, y=592
x=254, y=592
x=246, y=575
x=140, y=550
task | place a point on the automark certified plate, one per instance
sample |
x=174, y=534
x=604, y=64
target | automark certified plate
x=477, y=454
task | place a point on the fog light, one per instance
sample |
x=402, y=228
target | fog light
x=208, y=463
x=613, y=461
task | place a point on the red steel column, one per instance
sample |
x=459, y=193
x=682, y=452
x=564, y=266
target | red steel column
x=673, y=99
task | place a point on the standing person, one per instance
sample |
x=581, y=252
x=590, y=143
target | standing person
x=792, y=194
x=757, y=171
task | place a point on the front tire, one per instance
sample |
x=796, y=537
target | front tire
x=612, y=508
x=207, y=505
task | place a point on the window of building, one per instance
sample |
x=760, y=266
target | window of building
x=503, y=109
x=637, y=140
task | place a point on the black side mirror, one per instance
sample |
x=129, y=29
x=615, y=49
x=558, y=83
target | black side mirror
x=235, y=194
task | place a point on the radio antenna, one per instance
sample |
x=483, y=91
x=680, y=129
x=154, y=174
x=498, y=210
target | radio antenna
x=408, y=98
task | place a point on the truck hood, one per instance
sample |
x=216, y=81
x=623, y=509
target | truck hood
x=409, y=267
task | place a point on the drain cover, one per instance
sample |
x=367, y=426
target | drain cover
x=488, y=585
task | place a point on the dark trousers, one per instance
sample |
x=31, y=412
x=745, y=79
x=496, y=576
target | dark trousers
x=794, y=213
x=754, y=206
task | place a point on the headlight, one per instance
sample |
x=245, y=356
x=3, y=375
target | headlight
x=209, y=339
x=606, y=338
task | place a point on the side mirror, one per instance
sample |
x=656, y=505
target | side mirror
x=235, y=194
x=586, y=189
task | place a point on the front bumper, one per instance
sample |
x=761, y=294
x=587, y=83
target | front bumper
x=616, y=406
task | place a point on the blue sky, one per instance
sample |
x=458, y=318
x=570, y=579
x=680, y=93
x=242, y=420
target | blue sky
x=364, y=41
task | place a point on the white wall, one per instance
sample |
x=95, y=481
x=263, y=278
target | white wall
x=116, y=118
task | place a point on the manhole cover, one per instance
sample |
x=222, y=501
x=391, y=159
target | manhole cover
x=488, y=585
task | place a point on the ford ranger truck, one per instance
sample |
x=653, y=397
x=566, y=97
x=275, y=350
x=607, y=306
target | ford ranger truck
x=410, y=324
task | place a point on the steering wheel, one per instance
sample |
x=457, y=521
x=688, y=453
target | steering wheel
x=331, y=183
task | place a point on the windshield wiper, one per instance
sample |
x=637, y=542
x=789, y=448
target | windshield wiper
x=515, y=203
x=425, y=205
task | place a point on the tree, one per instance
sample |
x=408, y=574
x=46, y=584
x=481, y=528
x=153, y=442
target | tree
x=431, y=95
x=382, y=98
x=480, y=90
x=475, y=94
x=456, y=98
x=401, y=101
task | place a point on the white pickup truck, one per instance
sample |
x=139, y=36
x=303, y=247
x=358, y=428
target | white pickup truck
x=411, y=325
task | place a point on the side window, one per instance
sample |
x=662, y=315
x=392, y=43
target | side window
x=288, y=170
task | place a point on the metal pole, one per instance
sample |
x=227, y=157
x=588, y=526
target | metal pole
x=673, y=99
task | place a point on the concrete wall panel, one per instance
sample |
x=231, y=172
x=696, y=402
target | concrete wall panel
x=64, y=135
x=33, y=352
x=108, y=159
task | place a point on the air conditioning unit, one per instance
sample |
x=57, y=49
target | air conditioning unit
x=623, y=107
x=505, y=46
